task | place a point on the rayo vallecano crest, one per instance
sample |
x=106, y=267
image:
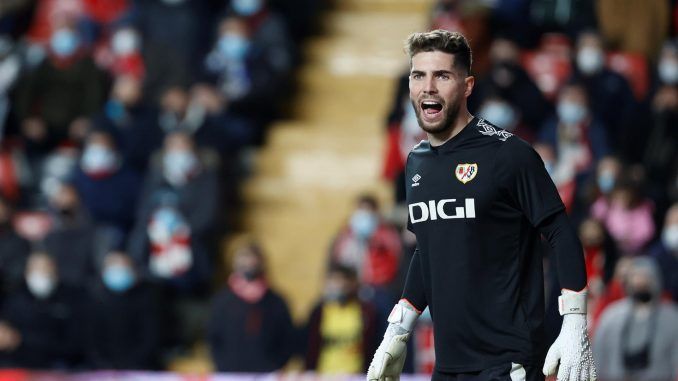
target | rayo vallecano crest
x=466, y=172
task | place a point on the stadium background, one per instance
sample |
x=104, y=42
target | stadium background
x=300, y=128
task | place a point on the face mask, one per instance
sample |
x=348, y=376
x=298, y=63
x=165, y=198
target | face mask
x=570, y=112
x=178, y=166
x=670, y=237
x=605, y=181
x=500, y=114
x=364, y=223
x=40, y=285
x=590, y=60
x=125, y=42
x=233, y=46
x=118, y=278
x=98, y=159
x=668, y=71
x=64, y=42
x=642, y=296
x=247, y=7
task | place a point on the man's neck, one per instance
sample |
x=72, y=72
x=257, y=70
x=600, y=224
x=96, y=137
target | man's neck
x=438, y=139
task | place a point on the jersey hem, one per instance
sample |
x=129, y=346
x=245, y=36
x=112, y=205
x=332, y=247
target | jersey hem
x=525, y=361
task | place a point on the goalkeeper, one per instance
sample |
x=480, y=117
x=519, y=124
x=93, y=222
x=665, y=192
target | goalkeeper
x=479, y=198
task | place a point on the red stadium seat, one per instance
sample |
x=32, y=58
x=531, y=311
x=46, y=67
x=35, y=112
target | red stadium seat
x=634, y=68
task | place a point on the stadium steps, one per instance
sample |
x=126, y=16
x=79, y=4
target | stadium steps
x=314, y=164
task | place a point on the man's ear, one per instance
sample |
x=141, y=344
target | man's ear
x=469, y=81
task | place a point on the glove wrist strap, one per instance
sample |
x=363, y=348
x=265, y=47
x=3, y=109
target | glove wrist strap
x=572, y=302
x=403, y=315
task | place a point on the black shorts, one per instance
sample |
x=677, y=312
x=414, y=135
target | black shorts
x=506, y=372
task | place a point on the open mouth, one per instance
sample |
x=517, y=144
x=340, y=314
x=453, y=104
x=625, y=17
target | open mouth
x=431, y=109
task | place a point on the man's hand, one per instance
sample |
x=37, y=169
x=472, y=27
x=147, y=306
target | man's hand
x=572, y=346
x=389, y=358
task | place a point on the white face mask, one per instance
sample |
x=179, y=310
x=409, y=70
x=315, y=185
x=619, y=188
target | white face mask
x=500, y=114
x=40, y=285
x=570, y=112
x=668, y=71
x=125, y=42
x=670, y=237
x=98, y=159
x=178, y=166
x=590, y=60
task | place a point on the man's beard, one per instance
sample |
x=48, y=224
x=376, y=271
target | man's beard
x=445, y=124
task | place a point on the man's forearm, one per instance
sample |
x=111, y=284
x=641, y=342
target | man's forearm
x=569, y=256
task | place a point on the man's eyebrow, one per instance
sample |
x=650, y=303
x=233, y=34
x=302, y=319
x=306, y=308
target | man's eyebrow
x=435, y=72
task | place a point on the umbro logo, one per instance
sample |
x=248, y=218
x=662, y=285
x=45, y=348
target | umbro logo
x=415, y=180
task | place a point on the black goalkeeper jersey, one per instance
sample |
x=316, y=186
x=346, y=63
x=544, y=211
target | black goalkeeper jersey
x=474, y=204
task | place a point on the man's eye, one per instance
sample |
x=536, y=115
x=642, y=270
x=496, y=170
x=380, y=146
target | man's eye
x=416, y=76
x=443, y=76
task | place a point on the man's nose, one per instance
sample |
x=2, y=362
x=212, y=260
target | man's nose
x=430, y=86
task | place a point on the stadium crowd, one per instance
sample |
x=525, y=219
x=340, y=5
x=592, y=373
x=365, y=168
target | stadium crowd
x=124, y=125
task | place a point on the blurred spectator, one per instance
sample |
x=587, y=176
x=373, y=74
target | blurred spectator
x=131, y=121
x=342, y=330
x=509, y=81
x=56, y=98
x=176, y=215
x=600, y=256
x=14, y=251
x=220, y=129
x=627, y=215
x=609, y=93
x=71, y=239
x=637, y=338
x=665, y=252
x=250, y=328
x=504, y=114
x=667, y=64
x=41, y=318
x=122, y=320
x=251, y=60
x=108, y=187
x=635, y=27
x=123, y=55
x=368, y=245
x=658, y=144
x=57, y=169
x=403, y=134
x=576, y=133
x=175, y=36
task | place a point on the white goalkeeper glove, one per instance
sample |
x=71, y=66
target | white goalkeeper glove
x=388, y=360
x=572, y=346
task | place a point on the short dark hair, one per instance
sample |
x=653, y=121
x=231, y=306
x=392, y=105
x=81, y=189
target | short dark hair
x=444, y=41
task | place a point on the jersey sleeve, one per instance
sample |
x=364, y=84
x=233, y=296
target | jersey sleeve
x=520, y=172
x=414, y=291
x=569, y=255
